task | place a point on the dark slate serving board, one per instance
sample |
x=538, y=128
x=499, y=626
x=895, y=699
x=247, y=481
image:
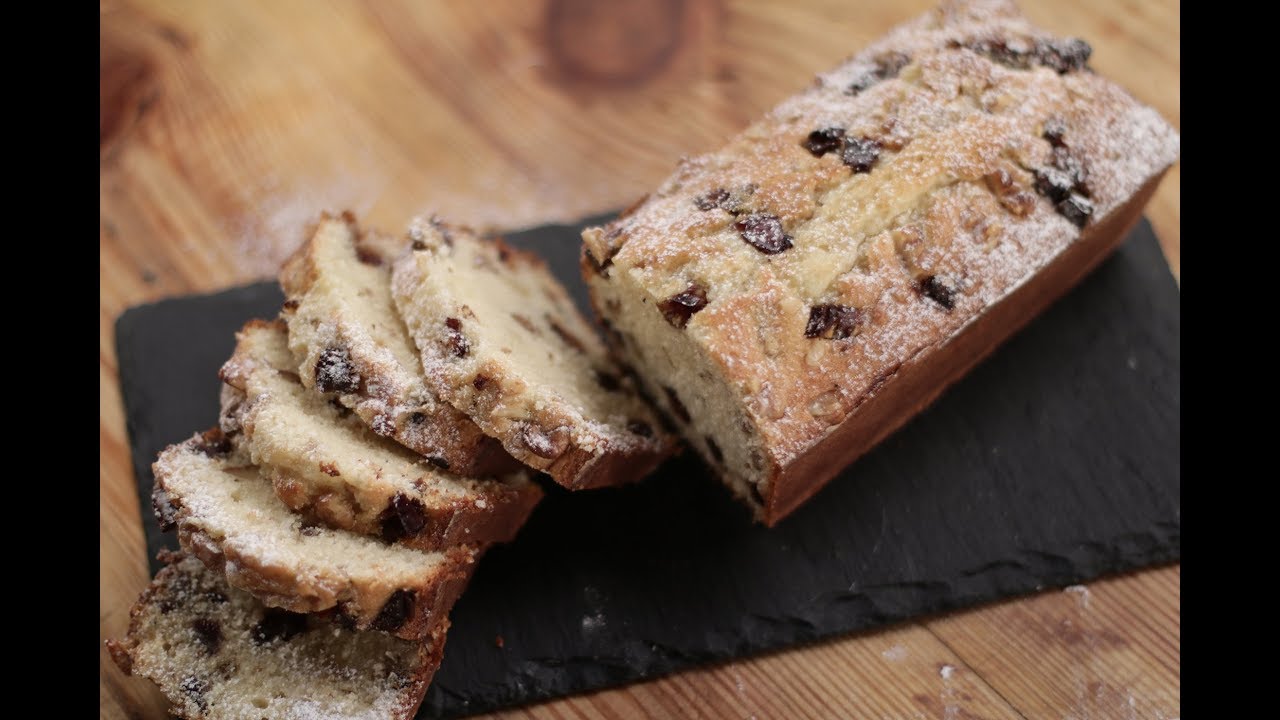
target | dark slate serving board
x=1054, y=462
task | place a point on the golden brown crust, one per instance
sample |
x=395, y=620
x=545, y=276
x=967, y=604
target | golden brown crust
x=822, y=253
x=336, y=301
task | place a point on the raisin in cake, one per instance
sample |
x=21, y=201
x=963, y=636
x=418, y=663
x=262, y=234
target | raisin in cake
x=795, y=296
x=327, y=464
x=228, y=516
x=219, y=654
x=350, y=344
x=501, y=340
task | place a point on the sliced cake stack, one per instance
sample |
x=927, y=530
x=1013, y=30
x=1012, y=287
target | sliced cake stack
x=369, y=449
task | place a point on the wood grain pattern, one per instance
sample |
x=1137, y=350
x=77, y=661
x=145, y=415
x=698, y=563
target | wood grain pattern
x=225, y=126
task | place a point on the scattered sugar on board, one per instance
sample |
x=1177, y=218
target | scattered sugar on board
x=897, y=653
x=1082, y=595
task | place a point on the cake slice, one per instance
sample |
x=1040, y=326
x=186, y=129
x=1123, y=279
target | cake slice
x=501, y=341
x=349, y=344
x=219, y=654
x=326, y=463
x=228, y=516
x=795, y=296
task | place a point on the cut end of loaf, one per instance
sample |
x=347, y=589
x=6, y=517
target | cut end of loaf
x=500, y=339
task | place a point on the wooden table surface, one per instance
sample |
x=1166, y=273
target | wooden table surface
x=226, y=126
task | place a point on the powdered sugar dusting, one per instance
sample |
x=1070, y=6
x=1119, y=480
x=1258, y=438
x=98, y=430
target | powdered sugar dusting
x=897, y=653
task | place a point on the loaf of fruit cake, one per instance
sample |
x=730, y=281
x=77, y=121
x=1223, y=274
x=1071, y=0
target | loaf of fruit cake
x=795, y=296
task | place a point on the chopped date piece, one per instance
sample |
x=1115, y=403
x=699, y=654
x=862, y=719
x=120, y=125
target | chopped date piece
x=1073, y=166
x=1063, y=56
x=335, y=372
x=862, y=83
x=213, y=443
x=860, y=154
x=1054, y=183
x=404, y=517
x=826, y=140
x=733, y=202
x=1055, y=131
x=712, y=199
x=608, y=381
x=368, y=257
x=277, y=624
x=1065, y=182
x=940, y=290
x=457, y=342
x=209, y=633
x=764, y=233
x=678, y=308
x=833, y=322
x=999, y=51
x=394, y=612
x=887, y=66
x=1075, y=208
